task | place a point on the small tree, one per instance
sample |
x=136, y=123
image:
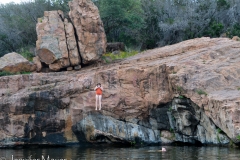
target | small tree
x=122, y=19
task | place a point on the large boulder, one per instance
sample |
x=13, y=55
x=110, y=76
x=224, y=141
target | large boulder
x=62, y=44
x=14, y=62
x=91, y=37
x=56, y=45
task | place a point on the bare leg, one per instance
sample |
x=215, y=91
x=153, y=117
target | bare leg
x=96, y=101
x=100, y=101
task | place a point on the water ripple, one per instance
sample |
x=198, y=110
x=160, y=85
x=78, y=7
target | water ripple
x=111, y=153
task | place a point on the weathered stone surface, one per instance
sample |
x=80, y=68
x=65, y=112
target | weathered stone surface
x=14, y=62
x=236, y=38
x=72, y=44
x=77, y=67
x=37, y=62
x=89, y=29
x=69, y=68
x=186, y=92
x=62, y=44
x=51, y=44
x=191, y=124
x=99, y=128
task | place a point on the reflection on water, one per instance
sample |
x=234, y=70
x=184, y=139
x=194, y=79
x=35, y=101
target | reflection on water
x=77, y=153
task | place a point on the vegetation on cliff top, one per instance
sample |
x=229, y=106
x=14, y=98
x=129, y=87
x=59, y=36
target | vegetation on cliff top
x=5, y=73
x=140, y=24
x=120, y=55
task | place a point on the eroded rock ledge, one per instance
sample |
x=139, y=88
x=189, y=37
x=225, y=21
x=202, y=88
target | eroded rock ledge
x=67, y=43
x=187, y=92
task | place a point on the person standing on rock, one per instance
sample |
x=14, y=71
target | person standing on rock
x=98, y=90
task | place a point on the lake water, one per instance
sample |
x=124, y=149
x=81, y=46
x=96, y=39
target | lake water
x=109, y=153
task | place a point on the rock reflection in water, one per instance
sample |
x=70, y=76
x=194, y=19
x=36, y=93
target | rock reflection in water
x=101, y=152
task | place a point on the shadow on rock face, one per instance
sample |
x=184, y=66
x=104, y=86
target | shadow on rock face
x=98, y=128
x=179, y=121
x=44, y=124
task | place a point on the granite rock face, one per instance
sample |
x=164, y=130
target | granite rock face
x=62, y=43
x=91, y=36
x=187, y=92
x=14, y=62
x=51, y=44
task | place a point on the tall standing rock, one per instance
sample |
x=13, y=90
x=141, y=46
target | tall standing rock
x=56, y=44
x=89, y=29
x=74, y=56
x=62, y=44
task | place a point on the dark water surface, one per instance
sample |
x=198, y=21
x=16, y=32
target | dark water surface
x=108, y=153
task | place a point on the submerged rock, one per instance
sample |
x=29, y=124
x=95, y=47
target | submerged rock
x=187, y=92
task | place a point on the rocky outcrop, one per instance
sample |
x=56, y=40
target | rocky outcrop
x=56, y=45
x=91, y=36
x=62, y=44
x=187, y=92
x=236, y=38
x=14, y=62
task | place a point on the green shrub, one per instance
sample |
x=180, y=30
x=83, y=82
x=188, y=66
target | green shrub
x=6, y=73
x=219, y=130
x=24, y=72
x=239, y=88
x=121, y=55
x=170, y=20
x=214, y=30
x=26, y=54
x=200, y=92
x=181, y=97
x=179, y=88
x=222, y=4
x=238, y=137
x=234, y=31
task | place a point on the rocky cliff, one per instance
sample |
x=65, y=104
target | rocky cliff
x=187, y=92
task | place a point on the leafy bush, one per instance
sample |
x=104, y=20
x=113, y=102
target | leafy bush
x=6, y=73
x=121, y=55
x=122, y=19
x=238, y=137
x=234, y=31
x=200, y=92
x=26, y=54
x=179, y=88
x=181, y=97
x=214, y=30
x=222, y=4
x=219, y=130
